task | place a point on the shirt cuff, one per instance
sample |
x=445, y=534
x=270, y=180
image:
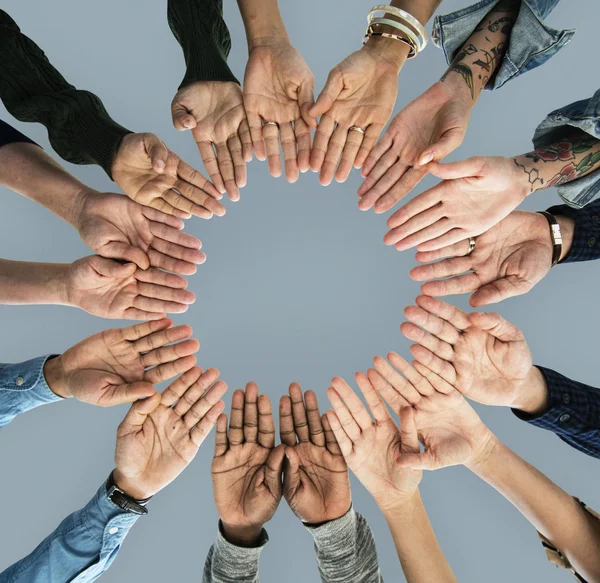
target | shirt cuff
x=239, y=561
x=28, y=377
x=337, y=530
x=532, y=42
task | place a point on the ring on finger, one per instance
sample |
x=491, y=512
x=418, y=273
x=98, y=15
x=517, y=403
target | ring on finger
x=356, y=129
x=471, y=246
x=270, y=123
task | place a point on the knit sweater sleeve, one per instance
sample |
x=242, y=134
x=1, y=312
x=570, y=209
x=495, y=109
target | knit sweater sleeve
x=32, y=90
x=199, y=28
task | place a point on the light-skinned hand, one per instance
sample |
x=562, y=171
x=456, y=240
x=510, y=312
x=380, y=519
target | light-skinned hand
x=247, y=467
x=214, y=112
x=110, y=289
x=154, y=176
x=373, y=447
x=428, y=128
x=474, y=195
x=360, y=91
x=118, y=228
x=121, y=365
x=316, y=485
x=449, y=428
x=161, y=435
x=279, y=87
x=508, y=260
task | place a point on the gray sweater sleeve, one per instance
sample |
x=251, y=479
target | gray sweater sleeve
x=346, y=550
x=227, y=563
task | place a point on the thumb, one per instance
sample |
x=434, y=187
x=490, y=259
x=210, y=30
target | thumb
x=113, y=269
x=497, y=326
x=408, y=430
x=306, y=99
x=291, y=478
x=417, y=461
x=330, y=93
x=132, y=392
x=499, y=290
x=446, y=143
x=157, y=151
x=125, y=252
x=182, y=118
x=273, y=469
x=463, y=169
x=139, y=411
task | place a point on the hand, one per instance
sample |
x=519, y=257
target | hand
x=109, y=289
x=475, y=195
x=121, y=365
x=489, y=361
x=117, y=228
x=160, y=436
x=448, y=426
x=428, y=128
x=360, y=91
x=315, y=480
x=247, y=467
x=150, y=174
x=508, y=260
x=279, y=87
x=373, y=449
x=215, y=113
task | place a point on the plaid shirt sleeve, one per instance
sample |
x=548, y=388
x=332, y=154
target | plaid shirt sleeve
x=573, y=412
x=586, y=238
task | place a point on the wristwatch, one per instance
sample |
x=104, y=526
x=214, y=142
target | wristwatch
x=124, y=501
x=555, y=235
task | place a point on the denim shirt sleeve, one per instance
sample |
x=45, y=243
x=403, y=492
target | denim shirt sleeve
x=23, y=387
x=586, y=235
x=583, y=115
x=573, y=412
x=81, y=549
x=532, y=42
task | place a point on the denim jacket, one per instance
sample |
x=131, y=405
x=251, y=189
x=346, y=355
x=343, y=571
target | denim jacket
x=532, y=42
x=84, y=544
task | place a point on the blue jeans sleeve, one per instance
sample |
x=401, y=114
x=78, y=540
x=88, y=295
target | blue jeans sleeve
x=82, y=547
x=532, y=42
x=23, y=387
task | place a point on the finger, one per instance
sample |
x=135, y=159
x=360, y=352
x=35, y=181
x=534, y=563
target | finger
x=157, y=151
x=182, y=119
x=129, y=392
x=384, y=175
x=331, y=442
x=457, y=250
x=445, y=311
x=373, y=160
x=139, y=331
x=266, y=423
x=499, y=290
x=199, y=433
x=350, y=426
x=353, y=404
x=417, y=461
x=196, y=387
x=170, y=353
x=162, y=278
x=251, y=413
x=197, y=180
x=273, y=469
x=239, y=164
x=433, y=362
x=179, y=386
x=497, y=326
x=286, y=421
x=432, y=323
x=321, y=142
x=374, y=401
x=168, y=294
x=436, y=381
x=415, y=229
x=204, y=405
x=207, y=153
x=256, y=133
x=408, y=431
x=368, y=143
x=124, y=252
x=153, y=337
x=192, y=200
x=330, y=92
x=315, y=427
x=420, y=203
x=246, y=140
x=135, y=314
x=221, y=441
x=160, y=217
x=335, y=148
x=420, y=383
x=444, y=240
x=447, y=143
x=161, y=205
x=306, y=99
x=462, y=169
x=291, y=475
x=304, y=144
x=444, y=268
x=353, y=143
x=290, y=154
x=389, y=394
x=299, y=413
x=271, y=134
x=138, y=413
x=227, y=171
x=155, y=306
x=400, y=384
x=176, y=252
x=169, y=370
x=399, y=190
x=236, y=418
x=419, y=336
x=168, y=263
x=110, y=268
x=344, y=442
x=168, y=233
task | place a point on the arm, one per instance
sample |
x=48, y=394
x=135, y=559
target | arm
x=24, y=282
x=554, y=513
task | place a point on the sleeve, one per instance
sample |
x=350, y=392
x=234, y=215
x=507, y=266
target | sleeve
x=346, y=550
x=532, y=42
x=9, y=135
x=573, y=412
x=585, y=116
x=82, y=547
x=586, y=237
x=23, y=387
x=79, y=128
x=199, y=28
x=227, y=563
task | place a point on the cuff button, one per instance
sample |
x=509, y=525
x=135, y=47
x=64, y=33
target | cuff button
x=564, y=418
x=566, y=398
x=19, y=381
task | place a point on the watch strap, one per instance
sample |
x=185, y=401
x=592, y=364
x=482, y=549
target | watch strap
x=123, y=500
x=555, y=235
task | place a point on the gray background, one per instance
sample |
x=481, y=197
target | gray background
x=297, y=287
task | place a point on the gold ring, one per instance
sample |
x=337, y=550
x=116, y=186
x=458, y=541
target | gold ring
x=357, y=129
x=270, y=123
x=471, y=246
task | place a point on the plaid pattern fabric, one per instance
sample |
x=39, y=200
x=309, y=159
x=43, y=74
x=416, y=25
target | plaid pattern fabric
x=586, y=238
x=573, y=413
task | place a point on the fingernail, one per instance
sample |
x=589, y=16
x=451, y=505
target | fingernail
x=426, y=159
x=160, y=165
x=187, y=124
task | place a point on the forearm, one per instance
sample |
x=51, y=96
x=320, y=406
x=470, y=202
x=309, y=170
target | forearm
x=420, y=554
x=262, y=22
x=28, y=170
x=550, y=510
x=32, y=283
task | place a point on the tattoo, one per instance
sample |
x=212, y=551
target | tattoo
x=562, y=151
x=462, y=68
x=495, y=26
x=533, y=175
x=490, y=59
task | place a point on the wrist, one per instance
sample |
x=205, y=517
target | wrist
x=130, y=487
x=397, y=507
x=527, y=177
x=567, y=230
x=388, y=51
x=459, y=90
x=79, y=207
x=533, y=397
x=242, y=536
x=55, y=377
x=485, y=453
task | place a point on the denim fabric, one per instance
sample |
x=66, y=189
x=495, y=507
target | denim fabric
x=586, y=237
x=81, y=549
x=532, y=42
x=584, y=115
x=573, y=412
x=23, y=387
